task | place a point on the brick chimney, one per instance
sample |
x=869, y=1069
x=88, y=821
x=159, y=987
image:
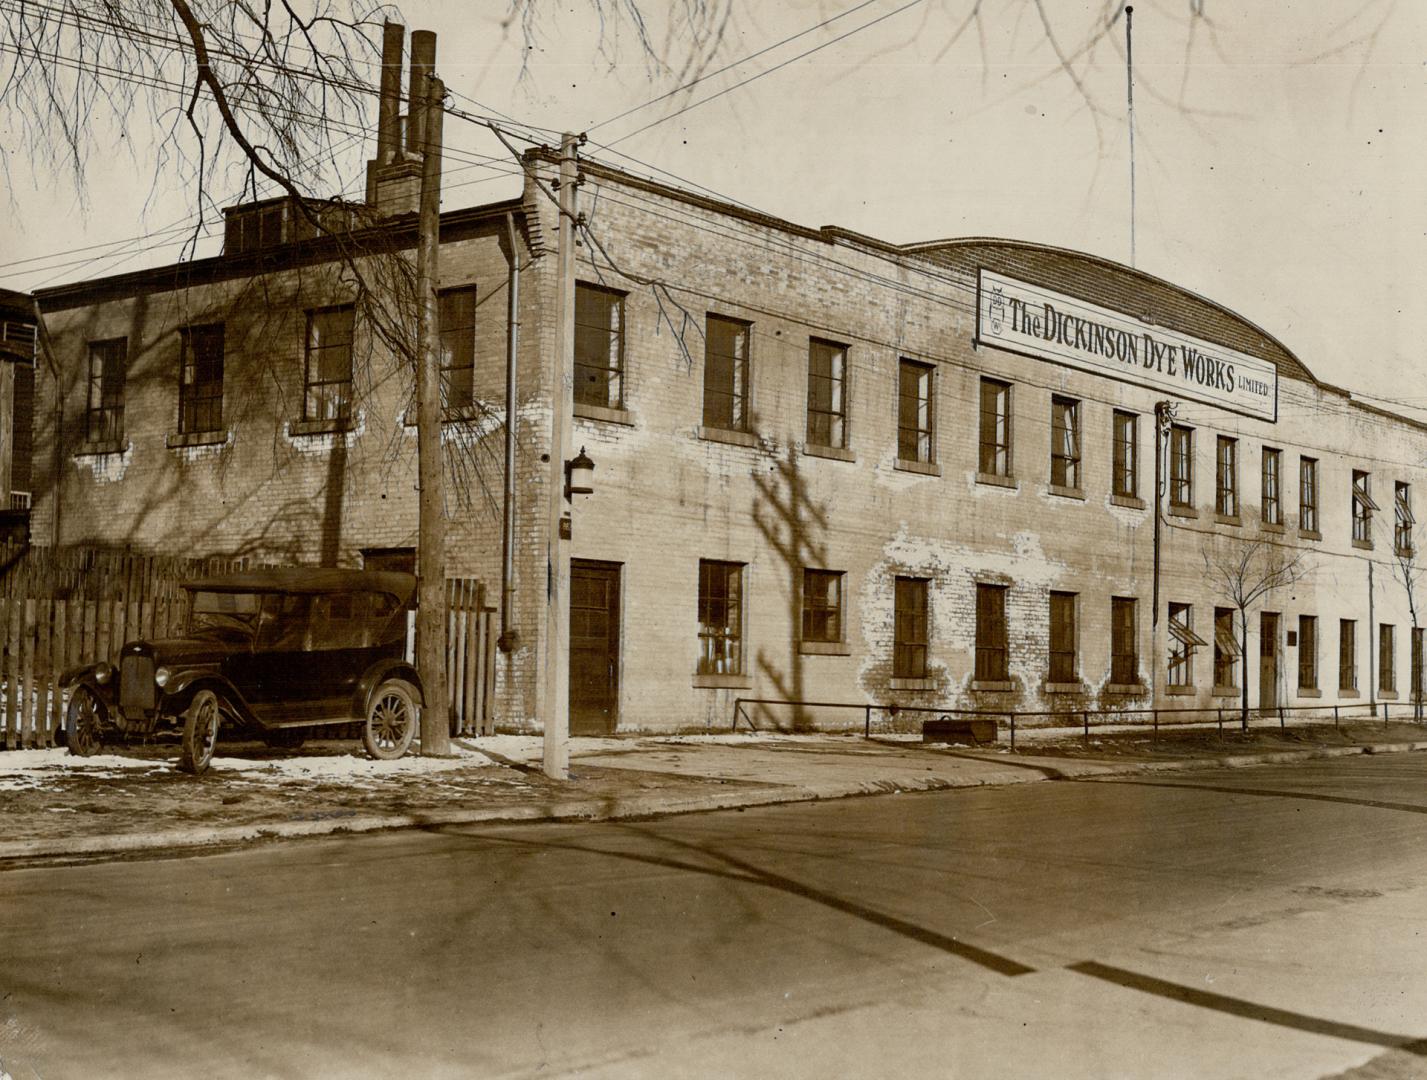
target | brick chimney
x=394, y=175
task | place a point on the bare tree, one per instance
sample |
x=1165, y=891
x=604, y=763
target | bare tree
x=1244, y=575
x=1407, y=571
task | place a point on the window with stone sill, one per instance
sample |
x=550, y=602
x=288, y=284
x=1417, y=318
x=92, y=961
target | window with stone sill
x=822, y=606
x=992, y=652
x=726, y=373
x=1125, y=455
x=328, y=368
x=720, y=618
x=458, y=346
x=910, y=628
x=104, y=414
x=599, y=346
x=916, y=411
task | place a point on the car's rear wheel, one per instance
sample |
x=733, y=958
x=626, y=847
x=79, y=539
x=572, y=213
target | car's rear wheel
x=84, y=722
x=391, y=720
x=200, y=732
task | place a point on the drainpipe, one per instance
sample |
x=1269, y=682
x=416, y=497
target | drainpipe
x=1372, y=646
x=509, y=638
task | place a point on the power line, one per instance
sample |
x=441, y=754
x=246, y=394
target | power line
x=728, y=67
x=777, y=67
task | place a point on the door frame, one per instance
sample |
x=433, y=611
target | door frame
x=616, y=570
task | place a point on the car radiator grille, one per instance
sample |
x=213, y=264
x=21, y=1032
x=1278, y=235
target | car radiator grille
x=136, y=684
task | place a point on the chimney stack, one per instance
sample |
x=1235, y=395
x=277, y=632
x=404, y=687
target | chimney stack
x=394, y=175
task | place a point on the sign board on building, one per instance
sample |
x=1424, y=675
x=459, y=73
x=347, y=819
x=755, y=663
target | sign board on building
x=1039, y=322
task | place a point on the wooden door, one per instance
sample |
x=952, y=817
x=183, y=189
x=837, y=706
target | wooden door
x=1268, y=660
x=594, y=647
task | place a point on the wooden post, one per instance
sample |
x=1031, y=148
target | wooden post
x=15, y=672
x=27, y=662
x=431, y=524
x=475, y=652
x=559, y=526
x=58, y=662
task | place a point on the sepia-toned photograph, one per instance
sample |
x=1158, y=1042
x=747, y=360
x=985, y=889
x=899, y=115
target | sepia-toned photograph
x=698, y=539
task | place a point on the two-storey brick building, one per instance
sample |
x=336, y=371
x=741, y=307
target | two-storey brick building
x=828, y=468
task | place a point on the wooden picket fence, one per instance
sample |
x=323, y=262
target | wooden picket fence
x=470, y=658
x=62, y=609
x=59, y=609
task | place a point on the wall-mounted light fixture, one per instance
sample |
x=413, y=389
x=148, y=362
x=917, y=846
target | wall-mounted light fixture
x=579, y=475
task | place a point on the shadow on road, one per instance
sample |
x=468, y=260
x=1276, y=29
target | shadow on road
x=1249, y=1010
x=1270, y=794
x=734, y=869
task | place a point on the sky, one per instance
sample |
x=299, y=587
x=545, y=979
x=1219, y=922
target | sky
x=1279, y=148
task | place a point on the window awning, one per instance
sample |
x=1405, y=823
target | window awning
x=1364, y=498
x=1185, y=636
x=1225, y=640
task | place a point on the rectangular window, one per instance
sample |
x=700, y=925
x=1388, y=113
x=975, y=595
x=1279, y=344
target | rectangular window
x=720, y=618
x=200, y=379
x=1347, y=654
x=104, y=419
x=1065, y=442
x=1363, y=506
x=726, y=373
x=1308, y=494
x=1402, y=530
x=1226, y=477
x=1271, y=505
x=1126, y=455
x=822, y=605
x=909, y=632
x=915, y=411
x=1124, y=641
x=1182, y=643
x=1063, y=666
x=995, y=428
x=1386, y=658
x=599, y=346
x=458, y=345
x=1307, y=652
x=329, y=364
x=1181, y=466
x=827, y=394
x=1226, y=649
x=991, y=653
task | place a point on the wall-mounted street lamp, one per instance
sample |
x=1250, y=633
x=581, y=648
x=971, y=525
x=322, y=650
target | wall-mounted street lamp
x=579, y=475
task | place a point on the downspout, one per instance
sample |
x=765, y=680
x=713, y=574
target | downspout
x=42, y=342
x=509, y=638
x=1372, y=645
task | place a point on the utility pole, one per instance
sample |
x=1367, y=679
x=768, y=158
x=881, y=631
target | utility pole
x=1163, y=412
x=426, y=122
x=1130, y=95
x=557, y=596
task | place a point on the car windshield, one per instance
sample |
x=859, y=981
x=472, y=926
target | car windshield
x=223, y=614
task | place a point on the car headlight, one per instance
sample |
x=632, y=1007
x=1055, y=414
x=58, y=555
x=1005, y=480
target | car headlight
x=162, y=676
x=102, y=672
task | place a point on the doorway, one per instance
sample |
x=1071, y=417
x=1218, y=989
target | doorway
x=594, y=647
x=1268, y=660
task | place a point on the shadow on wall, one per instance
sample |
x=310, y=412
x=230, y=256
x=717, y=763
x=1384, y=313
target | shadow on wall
x=793, y=526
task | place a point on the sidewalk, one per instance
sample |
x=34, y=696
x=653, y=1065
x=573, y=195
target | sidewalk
x=54, y=806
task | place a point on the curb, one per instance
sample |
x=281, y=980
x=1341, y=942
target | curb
x=639, y=806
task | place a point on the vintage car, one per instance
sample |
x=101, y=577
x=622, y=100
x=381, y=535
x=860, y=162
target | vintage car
x=273, y=653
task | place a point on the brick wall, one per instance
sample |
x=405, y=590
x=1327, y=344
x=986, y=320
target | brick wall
x=669, y=493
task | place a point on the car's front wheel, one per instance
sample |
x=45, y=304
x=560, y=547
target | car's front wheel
x=84, y=722
x=200, y=732
x=391, y=720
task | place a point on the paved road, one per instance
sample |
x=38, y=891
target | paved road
x=1267, y=922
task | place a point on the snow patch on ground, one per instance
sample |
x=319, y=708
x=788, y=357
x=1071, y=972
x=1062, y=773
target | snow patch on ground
x=353, y=766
